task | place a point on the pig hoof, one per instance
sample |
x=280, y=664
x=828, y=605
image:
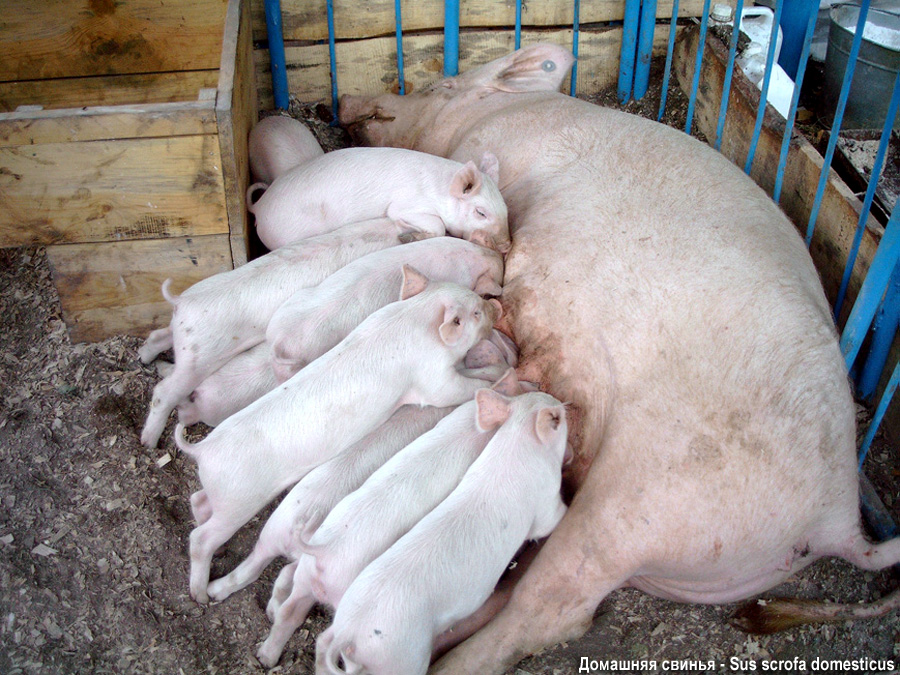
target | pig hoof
x=266, y=656
x=217, y=590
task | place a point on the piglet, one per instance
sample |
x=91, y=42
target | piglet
x=366, y=522
x=278, y=144
x=226, y=314
x=231, y=388
x=405, y=353
x=446, y=566
x=430, y=193
x=313, y=320
x=310, y=500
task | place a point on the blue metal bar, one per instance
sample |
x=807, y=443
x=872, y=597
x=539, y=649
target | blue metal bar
x=838, y=118
x=698, y=62
x=518, y=24
x=575, y=21
x=795, y=98
x=646, y=28
x=629, y=49
x=872, y=290
x=884, y=327
x=673, y=24
x=329, y=11
x=870, y=194
x=729, y=71
x=276, y=53
x=763, y=95
x=879, y=414
x=398, y=20
x=451, y=38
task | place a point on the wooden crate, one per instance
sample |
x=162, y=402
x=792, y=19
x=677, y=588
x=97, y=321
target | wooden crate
x=123, y=148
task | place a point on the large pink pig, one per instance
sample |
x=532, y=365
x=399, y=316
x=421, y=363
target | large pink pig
x=656, y=287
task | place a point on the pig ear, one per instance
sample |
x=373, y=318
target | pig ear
x=491, y=409
x=508, y=385
x=452, y=328
x=541, y=67
x=490, y=166
x=466, y=182
x=485, y=285
x=414, y=282
x=547, y=422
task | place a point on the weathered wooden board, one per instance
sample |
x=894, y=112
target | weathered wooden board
x=111, y=190
x=840, y=209
x=107, y=91
x=306, y=19
x=108, y=122
x=370, y=66
x=114, y=288
x=236, y=111
x=74, y=38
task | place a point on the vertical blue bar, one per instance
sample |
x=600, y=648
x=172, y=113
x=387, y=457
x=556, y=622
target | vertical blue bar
x=518, y=24
x=763, y=95
x=575, y=22
x=329, y=9
x=646, y=28
x=451, y=38
x=729, y=71
x=698, y=62
x=629, y=49
x=673, y=24
x=870, y=194
x=398, y=20
x=276, y=53
x=795, y=98
x=884, y=327
x=838, y=118
x=879, y=414
x=872, y=290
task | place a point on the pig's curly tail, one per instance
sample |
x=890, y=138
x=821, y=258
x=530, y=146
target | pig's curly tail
x=182, y=442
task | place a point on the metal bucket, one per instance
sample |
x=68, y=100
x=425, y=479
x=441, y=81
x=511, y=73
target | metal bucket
x=876, y=68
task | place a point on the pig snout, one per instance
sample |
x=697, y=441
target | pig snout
x=482, y=238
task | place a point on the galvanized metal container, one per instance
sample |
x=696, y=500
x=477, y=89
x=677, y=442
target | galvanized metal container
x=876, y=68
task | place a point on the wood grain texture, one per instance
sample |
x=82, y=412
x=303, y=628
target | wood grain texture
x=370, y=66
x=108, y=122
x=111, y=190
x=114, y=288
x=74, y=38
x=107, y=91
x=306, y=19
x=236, y=111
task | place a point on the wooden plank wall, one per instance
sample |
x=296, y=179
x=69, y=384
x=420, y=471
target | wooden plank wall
x=366, y=51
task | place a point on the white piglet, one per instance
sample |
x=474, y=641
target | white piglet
x=310, y=500
x=366, y=522
x=313, y=320
x=405, y=353
x=277, y=144
x=430, y=193
x=231, y=388
x=445, y=567
x=221, y=316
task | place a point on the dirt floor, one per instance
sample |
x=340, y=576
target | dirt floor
x=94, y=527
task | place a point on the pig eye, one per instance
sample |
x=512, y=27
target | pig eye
x=477, y=314
x=456, y=321
x=480, y=213
x=548, y=66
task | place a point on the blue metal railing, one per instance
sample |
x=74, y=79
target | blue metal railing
x=880, y=293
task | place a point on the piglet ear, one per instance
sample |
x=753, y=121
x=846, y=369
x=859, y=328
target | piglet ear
x=466, y=182
x=452, y=329
x=547, y=423
x=485, y=285
x=490, y=166
x=498, y=308
x=414, y=282
x=540, y=67
x=491, y=409
x=508, y=385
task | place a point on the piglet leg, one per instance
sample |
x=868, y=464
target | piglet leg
x=281, y=589
x=289, y=616
x=156, y=343
x=247, y=572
